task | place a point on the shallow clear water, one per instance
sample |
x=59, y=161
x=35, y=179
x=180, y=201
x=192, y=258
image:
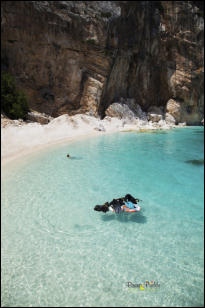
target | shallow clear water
x=57, y=251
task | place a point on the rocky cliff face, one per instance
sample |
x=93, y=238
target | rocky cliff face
x=82, y=56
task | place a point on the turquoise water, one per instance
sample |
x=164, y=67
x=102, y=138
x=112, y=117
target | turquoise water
x=57, y=251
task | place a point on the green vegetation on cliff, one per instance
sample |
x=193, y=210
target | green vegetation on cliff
x=13, y=101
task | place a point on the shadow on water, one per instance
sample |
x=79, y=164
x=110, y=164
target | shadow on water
x=196, y=162
x=199, y=132
x=75, y=158
x=125, y=218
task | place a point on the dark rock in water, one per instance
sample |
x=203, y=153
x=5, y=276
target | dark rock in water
x=195, y=161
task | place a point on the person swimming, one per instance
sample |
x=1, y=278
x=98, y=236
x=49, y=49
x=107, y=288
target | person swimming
x=129, y=197
x=102, y=208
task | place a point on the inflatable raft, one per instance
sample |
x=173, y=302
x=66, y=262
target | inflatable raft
x=128, y=208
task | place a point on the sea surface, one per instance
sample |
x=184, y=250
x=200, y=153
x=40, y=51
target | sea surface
x=57, y=251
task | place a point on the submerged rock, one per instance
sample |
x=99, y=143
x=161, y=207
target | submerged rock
x=196, y=162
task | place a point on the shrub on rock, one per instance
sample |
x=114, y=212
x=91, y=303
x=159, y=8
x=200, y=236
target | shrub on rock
x=14, y=102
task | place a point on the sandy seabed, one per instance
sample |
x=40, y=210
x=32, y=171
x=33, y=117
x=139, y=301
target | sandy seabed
x=21, y=138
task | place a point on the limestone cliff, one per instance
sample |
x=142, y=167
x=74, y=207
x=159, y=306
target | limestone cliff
x=82, y=56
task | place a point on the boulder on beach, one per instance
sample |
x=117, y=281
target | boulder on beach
x=154, y=117
x=174, y=109
x=41, y=118
x=120, y=111
x=170, y=119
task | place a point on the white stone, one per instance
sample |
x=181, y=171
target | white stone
x=170, y=119
x=182, y=124
x=100, y=128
